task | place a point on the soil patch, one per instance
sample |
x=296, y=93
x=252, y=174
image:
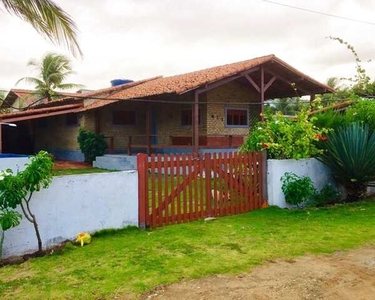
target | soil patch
x=60, y=164
x=343, y=275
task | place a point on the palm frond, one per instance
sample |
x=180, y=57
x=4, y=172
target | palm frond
x=48, y=19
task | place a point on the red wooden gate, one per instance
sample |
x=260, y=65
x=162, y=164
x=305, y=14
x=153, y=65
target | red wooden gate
x=177, y=188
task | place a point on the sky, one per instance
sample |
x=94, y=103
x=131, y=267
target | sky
x=137, y=39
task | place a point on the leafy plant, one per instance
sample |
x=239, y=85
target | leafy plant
x=330, y=119
x=327, y=195
x=350, y=154
x=8, y=219
x=91, y=144
x=53, y=71
x=362, y=111
x=297, y=190
x=286, y=138
x=18, y=189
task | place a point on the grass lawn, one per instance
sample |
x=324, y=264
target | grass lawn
x=128, y=262
x=62, y=172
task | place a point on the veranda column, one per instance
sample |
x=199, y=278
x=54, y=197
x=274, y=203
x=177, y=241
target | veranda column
x=262, y=92
x=148, y=124
x=195, y=112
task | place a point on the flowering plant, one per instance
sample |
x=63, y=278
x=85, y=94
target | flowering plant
x=83, y=238
x=286, y=138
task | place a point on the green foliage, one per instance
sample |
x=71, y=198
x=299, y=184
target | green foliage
x=91, y=144
x=286, y=106
x=297, y=190
x=8, y=219
x=53, y=71
x=17, y=189
x=362, y=111
x=350, y=154
x=330, y=119
x=285, y=138
x=48, y=19
x=327, y=195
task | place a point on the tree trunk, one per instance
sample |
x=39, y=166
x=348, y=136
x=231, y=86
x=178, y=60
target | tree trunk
x=40, y=248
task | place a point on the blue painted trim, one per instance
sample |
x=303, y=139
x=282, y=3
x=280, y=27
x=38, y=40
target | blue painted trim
x=73, y=155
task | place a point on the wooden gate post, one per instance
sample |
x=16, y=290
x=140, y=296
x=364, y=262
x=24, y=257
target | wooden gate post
x=207, y=172
x=142, y=160
x=264, y=177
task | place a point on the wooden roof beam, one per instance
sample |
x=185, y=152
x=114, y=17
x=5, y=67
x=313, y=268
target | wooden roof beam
x=41, y=115
x=225, y=80
x=282, y=78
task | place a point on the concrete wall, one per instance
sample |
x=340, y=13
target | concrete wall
x=310, y=167
x=78, y=203
x=16, y=164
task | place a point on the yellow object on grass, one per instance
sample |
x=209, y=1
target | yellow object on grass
x=83, y=238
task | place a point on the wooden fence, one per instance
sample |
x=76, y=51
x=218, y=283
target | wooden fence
x=177, y=188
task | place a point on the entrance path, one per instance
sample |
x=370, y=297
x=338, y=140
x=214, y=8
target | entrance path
x=343, y=275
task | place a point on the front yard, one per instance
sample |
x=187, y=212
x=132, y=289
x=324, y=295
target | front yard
x=128, y=262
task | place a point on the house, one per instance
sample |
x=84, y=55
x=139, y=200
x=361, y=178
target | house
x=206, y=109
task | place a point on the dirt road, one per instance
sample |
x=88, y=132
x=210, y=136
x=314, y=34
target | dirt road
x=343, y=275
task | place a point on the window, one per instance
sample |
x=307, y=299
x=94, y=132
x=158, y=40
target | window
x=72, y=120
x=42, y=123
x=237, y=117
x=187, y=119
x=124, y=117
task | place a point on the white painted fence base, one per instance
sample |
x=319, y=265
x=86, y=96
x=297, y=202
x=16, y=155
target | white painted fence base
x=77, y=203
x=310, y=167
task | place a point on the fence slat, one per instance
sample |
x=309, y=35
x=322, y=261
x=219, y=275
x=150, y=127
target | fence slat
x=159, y=216
x=172, y=176
x=190, y=171
x=196, y=193
x=178, y=159
x=201, y=185
x=207, y=170
x=166, y=189
x=184, y=189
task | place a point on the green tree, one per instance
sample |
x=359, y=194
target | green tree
x=53, y=71
x=18, y=189
x=48, y=19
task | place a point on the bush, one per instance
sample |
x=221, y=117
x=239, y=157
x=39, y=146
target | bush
x=297, y=190
x=286, y=138
x=362, y=111
x=330, y=119
x=327, y=195
x=350, y=154
x=91, y=144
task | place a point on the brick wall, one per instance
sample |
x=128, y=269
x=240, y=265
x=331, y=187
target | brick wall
x=56, y=135
x=230, y=93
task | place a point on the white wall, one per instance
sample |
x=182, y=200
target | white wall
x=16, y=164
x=310, y=167
x=77, y=203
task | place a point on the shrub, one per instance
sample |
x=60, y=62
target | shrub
x=327, y=195
x=330, y=119
x=350, y=154
x=91, y=144
x=297, y=190
x=362, y=111
x=286, y=138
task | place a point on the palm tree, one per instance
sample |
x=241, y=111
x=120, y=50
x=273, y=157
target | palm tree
x=53, y=70
x=48, y=19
